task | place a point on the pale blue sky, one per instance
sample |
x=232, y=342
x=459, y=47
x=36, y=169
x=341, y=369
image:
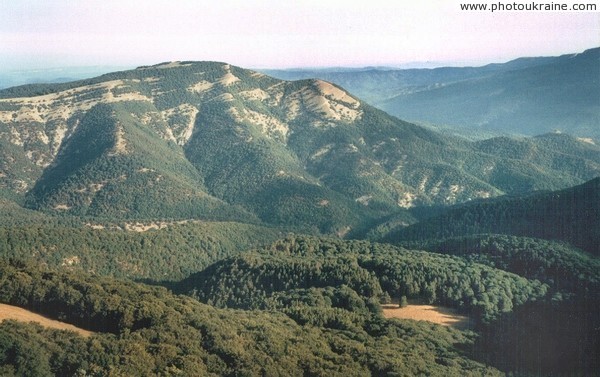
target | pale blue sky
x=270, y=34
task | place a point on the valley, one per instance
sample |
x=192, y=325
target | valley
x=199, y=216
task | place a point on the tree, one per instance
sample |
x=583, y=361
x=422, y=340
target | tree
x=430, y=294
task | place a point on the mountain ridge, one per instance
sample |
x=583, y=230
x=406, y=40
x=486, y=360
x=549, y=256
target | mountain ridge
x=525, y=96
x=214, y=141
x=571, y=215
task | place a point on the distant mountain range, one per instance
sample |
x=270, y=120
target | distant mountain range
x=214, y=141
x=16, y=77
x=526, y=96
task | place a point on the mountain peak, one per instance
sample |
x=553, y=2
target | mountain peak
x=212, y=140
x=166, y=65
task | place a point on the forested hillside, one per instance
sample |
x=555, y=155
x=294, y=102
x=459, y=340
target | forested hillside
x=328, y=293
x=165, y=251
x=148, y=331
x=571, y=215
x=556, y=263
x=211, y=141
x=333, y=283
x=375, y=272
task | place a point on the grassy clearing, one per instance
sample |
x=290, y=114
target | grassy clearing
x=23, y=315
x=435, y=314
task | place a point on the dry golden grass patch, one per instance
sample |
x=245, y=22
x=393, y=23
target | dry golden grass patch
x=435, y=314
x=23, y=315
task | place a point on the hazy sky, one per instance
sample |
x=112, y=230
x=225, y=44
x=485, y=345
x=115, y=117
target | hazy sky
x=280, y=33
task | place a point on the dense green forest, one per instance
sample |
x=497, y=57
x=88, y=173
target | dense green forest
x=525, y=326
x=532, y=300
x=148, y=331
x=556, y=263
x=553, y=336
x=376, y=272
x=171, y=253
x=571, y=215
x=331, y=292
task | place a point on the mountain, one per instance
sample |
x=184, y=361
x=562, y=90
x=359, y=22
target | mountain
x=526, y=96
x=16, y=77
x=207, y=140
x=571, y=215
x=377, y=84
x=560, y=95
x=215, y=184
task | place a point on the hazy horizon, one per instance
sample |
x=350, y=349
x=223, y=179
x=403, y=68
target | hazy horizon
x=405, y=65
x=270, y=35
